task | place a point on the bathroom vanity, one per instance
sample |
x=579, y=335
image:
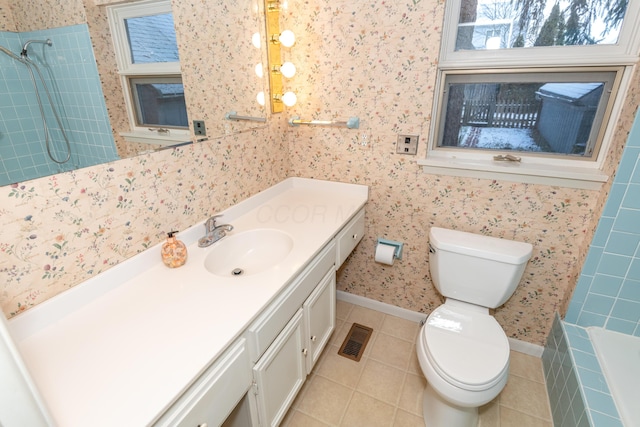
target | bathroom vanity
x=142, y=344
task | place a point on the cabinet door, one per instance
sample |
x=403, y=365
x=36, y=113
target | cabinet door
x=215, y=393
x=280, y=373
x=320, y=317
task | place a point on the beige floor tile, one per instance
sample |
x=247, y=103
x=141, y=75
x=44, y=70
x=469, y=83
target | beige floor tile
x=400, y=328
x=299, y=419
x=411, y=395
x=386, y=394
x=366, y=317
x=512, y=418
x=343, y=309
x=366, y=411
x=405, y=419
x=381, y=381
x=338, y=368
x=526, y=396
x=489, y=414
x=325, y=400
x=391, y=350
x=526, y=366
x=414, y=364
x=340, y=333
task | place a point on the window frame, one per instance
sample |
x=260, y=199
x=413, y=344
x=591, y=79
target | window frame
x=127, y=69
x=569, y=172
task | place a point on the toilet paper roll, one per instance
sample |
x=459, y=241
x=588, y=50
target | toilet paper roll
x=384, y=254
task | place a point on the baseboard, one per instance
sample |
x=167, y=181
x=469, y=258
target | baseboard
x=526, y=347
x=414, y=316
x=382, y=307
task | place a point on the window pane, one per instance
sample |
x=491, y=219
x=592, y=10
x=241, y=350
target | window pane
x=159, y=103
x=152, y=39
x=500, y=24
x=548, y=116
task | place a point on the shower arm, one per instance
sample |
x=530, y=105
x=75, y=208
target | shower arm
x=24, y=53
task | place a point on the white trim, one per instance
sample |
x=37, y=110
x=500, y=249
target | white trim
x=175, y=137
x=534, y=169
x=525, y=347
x=382, y=307
x=414, y=316
x=529, y=173
x=623, y=53
x=117, y=14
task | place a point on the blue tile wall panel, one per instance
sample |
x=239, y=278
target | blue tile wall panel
x=70, y=72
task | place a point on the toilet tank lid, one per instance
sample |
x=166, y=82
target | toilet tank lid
x=503, y=250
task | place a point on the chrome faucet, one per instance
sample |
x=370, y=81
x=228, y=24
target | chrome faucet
x=213, y=232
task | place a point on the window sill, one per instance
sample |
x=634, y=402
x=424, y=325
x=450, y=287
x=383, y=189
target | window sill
x=588, y=178
x=154, y=138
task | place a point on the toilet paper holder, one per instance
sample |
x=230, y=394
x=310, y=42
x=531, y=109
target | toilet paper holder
x=397, y=253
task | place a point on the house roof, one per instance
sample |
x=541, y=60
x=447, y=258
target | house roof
x=152, y=39
x=569, y=91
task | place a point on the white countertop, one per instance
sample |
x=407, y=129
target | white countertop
x=118, y=349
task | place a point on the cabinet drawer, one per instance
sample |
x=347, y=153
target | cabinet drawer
x=264, y=330
x=212, y=398
x=349, y=237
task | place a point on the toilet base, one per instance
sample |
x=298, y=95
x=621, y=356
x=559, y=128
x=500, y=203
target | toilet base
x=438, y=412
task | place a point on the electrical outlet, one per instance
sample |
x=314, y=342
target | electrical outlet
x=199, y=128
x=407, y=144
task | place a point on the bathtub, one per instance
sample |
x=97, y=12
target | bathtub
x=619, y=357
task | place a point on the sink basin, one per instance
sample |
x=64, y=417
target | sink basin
x=249, y=252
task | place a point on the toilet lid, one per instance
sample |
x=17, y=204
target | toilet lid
x=468, y=349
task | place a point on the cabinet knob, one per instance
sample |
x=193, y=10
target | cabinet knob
x=305, y=351
x=202, y=425
x=355, y=236
x=314, y=338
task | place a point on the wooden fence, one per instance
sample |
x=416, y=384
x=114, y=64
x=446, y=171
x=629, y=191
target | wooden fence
x=501, y=113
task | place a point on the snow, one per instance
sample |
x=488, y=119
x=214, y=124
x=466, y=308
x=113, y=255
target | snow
x=498, y=138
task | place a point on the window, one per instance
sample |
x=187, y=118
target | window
x=149, y=65
x=534, y=81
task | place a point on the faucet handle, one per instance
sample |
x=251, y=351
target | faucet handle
x=210, y=223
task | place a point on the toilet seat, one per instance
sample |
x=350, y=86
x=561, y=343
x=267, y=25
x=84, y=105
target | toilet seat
x=468, y=349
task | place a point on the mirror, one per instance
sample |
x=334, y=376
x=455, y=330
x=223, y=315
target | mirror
x=217, y=60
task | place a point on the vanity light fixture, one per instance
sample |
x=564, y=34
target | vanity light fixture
x=278, y=69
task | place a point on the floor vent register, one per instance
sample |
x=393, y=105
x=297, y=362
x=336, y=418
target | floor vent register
x=355, y=342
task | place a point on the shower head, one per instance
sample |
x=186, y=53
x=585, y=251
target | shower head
x=48, y=42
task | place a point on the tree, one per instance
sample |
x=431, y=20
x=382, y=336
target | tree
x=530, y=16
x=552, y=31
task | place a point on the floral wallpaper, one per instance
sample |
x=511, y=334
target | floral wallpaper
x=377, y=61
x=58, y=231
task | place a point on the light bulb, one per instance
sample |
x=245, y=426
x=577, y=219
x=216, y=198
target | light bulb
x=260, y=98
x=288, y=69
x=287, y=38
x=255, y=40
x=258, y=70
x=289, y=99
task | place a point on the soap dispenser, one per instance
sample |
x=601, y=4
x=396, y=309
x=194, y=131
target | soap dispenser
x=174, y=252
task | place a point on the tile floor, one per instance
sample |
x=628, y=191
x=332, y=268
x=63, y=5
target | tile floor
x=385, y=387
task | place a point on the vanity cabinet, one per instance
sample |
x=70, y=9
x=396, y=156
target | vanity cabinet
x=222, y=385
x=283, y=362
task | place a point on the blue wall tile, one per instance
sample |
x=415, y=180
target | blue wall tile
x=71, y=64
x=612, y=266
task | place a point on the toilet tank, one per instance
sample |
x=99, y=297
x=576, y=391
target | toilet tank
x=474, y=268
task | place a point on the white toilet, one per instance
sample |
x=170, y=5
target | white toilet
x=463, y=351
